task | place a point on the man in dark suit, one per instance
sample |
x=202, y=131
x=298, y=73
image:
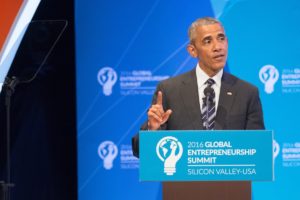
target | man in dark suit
x=206, y=98
x=178, y=102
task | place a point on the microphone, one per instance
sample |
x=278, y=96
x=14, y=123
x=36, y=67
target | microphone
x=209, y=93
x=208, y=99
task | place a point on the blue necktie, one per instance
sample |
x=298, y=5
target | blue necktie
x=209, y=106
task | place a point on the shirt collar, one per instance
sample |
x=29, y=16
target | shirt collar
x=202, y=77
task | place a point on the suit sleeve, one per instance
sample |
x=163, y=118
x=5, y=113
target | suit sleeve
x=254, y=120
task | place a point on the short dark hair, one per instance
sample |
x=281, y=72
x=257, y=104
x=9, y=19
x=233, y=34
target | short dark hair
x=200, y=22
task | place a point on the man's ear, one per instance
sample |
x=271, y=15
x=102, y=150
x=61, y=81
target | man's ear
x=192, y=50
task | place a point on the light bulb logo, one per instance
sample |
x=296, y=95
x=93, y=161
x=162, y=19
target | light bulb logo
x=268, y=75
x=169, y=150
x=276, y=149
x=107, y=151
x=107, y=77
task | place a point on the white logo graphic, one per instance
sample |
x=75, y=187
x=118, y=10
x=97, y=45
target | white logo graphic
x=268, y=75
x=169, y=150
x=107, y=151
x=107, y=77
x=276, y=149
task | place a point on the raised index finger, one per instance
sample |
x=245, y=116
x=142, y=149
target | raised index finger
x=159, y=98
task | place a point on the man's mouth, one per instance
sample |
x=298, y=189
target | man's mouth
x=219, y=57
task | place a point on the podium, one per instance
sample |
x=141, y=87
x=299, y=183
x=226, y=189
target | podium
x=207, y=190
x=208, y=165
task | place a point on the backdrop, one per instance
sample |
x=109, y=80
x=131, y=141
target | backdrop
x=124, y=48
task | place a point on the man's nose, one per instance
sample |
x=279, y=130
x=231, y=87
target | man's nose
x=217, y=46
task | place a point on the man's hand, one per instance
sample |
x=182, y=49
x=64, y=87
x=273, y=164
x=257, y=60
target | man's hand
x=156, y=114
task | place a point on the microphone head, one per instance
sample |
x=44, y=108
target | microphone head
x=208, y=91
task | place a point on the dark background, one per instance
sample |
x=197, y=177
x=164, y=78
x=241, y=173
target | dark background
x=43, y=117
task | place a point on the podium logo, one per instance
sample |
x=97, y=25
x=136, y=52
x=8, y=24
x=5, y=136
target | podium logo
x=276, y=149
x=269, y=75
x=107, y=77
x=169, y=150
x=107, y=151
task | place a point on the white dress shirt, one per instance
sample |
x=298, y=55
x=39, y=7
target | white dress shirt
x=202, y=77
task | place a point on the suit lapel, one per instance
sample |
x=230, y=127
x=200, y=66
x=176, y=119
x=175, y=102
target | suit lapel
x=226, y=98
x=189, y=94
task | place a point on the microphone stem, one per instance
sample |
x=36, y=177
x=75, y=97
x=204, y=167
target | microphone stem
x=207, y=104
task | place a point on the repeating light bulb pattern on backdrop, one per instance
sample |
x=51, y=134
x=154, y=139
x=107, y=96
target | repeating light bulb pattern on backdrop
x=126, y=48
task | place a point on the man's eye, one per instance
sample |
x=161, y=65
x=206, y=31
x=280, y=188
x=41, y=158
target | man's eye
x=207, y=41
x=222, y=38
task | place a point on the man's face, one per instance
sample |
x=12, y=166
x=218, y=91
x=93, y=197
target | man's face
x=210, y=47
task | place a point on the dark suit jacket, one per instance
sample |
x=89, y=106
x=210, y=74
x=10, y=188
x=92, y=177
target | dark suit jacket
x=239, y=105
